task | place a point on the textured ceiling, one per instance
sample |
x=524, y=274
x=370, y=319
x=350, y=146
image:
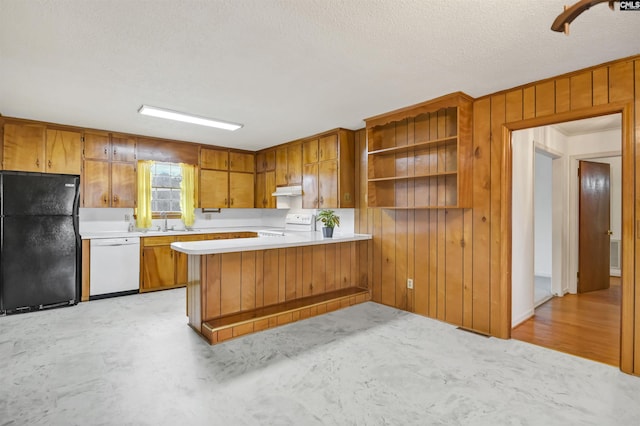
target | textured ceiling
x=286, y=69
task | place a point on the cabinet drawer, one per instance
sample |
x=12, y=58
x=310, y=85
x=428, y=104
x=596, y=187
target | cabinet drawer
x=158, y=241
x=187, y=238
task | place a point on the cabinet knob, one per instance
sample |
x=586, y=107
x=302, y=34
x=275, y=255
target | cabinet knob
x=321, y=201
x=49, y=163
x=115, y=152
x=225, y=202
x=37, y=162
x=232, y=201
x=105, y=150
x=105, y=201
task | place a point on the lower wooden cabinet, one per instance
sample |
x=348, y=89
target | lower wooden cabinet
x=162, y=268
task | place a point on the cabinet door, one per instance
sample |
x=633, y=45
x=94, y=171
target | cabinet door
x=281, y=167
x=310, y=151
x=328, y=184
x=158, y=268
x=24, y=147
x=95, y=184
x=270, y=160
x=328, y=148
x=64, y=152
x=123, y=184
x=97, y=146
x=241, y=190
x=294, y=164
x=260, y=198
x=215, y=159
x=310, y=186
x=214, y=189
x=241, y=162
x=270, y=188
x=123, y=148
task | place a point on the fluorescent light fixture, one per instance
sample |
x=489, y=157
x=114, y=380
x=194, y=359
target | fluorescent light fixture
x=187, y=118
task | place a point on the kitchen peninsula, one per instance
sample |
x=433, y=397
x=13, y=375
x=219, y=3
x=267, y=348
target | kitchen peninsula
x=241, y=286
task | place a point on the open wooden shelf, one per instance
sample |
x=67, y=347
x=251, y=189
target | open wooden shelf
x=414, y=146
x=421, y=156
x=241, y=323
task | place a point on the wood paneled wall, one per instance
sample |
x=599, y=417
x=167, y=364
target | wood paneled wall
x=460, y=259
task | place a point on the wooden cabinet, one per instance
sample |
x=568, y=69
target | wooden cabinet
x=162, y=268
x=289, y=164
x=109, y=172
x=266, y=160
x=226, y=179
x=328, y=174
x=214, y=159
x=265, y=186
x=421, y=156
x=31, y=147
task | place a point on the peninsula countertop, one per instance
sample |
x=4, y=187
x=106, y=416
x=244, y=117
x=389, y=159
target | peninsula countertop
x=290, y=239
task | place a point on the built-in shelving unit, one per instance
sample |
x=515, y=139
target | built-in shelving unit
x=421, y=156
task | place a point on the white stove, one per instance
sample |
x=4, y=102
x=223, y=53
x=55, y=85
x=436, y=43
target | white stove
x=298, y=222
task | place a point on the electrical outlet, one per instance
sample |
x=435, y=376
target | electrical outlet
x=207, y=216
x=127, y=218
x=409, y=283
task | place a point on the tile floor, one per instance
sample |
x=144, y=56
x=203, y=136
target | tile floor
x=134, y=361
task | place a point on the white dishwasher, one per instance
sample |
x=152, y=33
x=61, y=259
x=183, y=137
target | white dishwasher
x=114, y=267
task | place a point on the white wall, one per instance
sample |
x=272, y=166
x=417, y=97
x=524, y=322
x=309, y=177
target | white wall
x=524, y=145
x=542, y=204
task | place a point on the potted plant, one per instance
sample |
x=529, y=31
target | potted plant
x=330, y=220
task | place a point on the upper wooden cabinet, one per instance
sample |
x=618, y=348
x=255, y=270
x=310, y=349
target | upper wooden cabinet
x=328, y=177
x=421, y=156
x=109, y=172
x=35, y=148
x=226, y=179
x=241, y=162
x=266, y=160
x=214, y=159
x=265, y=186
x=289, y=164
x=106, y=146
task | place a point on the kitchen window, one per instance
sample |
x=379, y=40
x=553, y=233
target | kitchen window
x=165, y=188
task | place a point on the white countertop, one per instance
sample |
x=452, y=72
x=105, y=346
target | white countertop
x=290, y=239
x=125, y=234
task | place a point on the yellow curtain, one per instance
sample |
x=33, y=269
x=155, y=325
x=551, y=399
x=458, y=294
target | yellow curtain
x=187, y=194
x=144, y=214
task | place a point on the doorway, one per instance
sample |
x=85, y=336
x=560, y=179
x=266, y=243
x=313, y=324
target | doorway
x=545, y=238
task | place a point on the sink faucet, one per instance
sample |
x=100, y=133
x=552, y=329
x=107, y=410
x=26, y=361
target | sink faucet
x=163, y=215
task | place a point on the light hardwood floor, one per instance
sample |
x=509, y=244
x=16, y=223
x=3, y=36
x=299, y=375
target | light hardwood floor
x=587, y=325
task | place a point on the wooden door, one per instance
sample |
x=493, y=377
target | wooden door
x=97, y=146
x=214, y=189
x=270, y=188
x=64, y=152
x=241, y=187
x=594, y=223
x=328, y=184
x=310, y=151
x=158, y=268
x=328, y=148
x=294, y=164
x=281, y=167
x=24, y=147
x=241, y=162
x=123, y=148
x=310, y=186
x=96, y=191
x=123, y=184
x=215, y=159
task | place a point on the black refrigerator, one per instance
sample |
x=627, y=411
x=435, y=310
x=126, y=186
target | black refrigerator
x=40, y=247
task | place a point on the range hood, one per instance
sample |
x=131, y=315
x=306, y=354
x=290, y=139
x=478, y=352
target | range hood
x=288, y=191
